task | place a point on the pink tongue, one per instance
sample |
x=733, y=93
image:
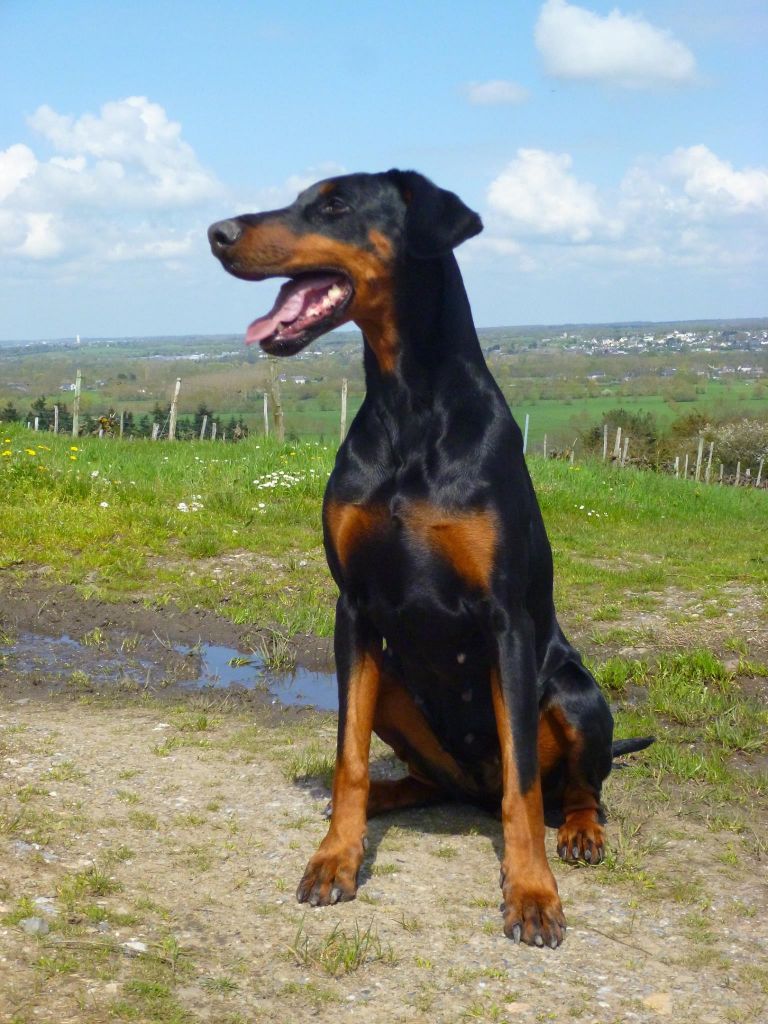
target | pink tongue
x=292, y=298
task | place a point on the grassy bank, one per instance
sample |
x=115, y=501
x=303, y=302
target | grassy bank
x=142, y=518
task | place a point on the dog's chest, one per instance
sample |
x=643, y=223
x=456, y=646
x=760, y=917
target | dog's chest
x=419, y=573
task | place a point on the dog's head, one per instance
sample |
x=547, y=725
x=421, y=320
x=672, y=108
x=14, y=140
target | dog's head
x=338, y=244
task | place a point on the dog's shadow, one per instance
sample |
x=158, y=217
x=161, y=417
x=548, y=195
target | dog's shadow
x=450, y=819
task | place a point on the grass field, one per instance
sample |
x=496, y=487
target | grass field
x=118, y=518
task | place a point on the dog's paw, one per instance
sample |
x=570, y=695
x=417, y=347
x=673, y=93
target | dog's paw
x=581, y=838
x=331, y=875
x=535, y=918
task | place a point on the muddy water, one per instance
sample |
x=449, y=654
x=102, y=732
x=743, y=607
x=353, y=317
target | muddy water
x=65, y=662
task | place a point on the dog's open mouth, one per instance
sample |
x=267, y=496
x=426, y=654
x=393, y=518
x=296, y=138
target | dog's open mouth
x=307, y=306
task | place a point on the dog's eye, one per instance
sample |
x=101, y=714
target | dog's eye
x=333, y=206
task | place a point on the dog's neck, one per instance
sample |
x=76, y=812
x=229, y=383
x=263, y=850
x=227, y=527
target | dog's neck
x=431, y=334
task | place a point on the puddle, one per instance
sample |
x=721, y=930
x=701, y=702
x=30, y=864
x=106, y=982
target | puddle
x=63, y=661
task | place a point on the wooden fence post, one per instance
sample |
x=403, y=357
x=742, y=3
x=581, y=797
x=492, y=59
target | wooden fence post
x=685, y=470
x=122, y=422
x=759, y=473
x=545, y=446
x=76, y=405
x=721, y=473
x=55, y=419
x=617, y=445
x=738, y=473
x=155, y=431
x=677, y=467
x=343, y=426
x=277, y=402
x=266, y=414
x=525, y=433
x=605, y=441
x=708, y=471
x=624, y=452
x=213, y=430
x=37, y=423
x=699, y=454
x=172, y=416
x=205, y=424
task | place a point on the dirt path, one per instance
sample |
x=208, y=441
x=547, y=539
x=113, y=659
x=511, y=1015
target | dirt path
x=149, y=854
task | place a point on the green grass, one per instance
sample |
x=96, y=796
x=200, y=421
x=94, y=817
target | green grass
x=339, y=952
x=109, y=511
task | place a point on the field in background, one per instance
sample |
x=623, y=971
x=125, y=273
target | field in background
x=564, y=392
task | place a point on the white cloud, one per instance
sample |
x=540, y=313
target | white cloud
x=496, y=92
x=41, y=240
x=130, y=153
x=619, y=49
x=688, y=208
x=108, y=175
x=538, y=196
x=712, y=183
x=16, y=163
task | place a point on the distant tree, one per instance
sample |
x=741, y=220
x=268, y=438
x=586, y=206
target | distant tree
x=640, y=427
x=10, y=414
x=144, y=428
x=160, y=414
x=203, y=410
x=40, y=410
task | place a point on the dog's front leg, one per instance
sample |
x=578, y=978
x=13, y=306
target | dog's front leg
x=331, y=874
x=532, y=910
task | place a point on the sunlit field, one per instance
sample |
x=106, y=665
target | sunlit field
x=118, y=518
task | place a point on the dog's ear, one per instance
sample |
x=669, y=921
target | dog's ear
x=436, y=220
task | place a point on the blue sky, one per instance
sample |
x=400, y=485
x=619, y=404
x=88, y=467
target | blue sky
x=617, y=153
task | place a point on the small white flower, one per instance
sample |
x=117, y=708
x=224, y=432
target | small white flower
x=262, y=505
x=182, y=506
x=104, y=504
x=94, y=474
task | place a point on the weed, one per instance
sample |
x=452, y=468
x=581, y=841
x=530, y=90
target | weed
x=339, y=952
x=313, y=762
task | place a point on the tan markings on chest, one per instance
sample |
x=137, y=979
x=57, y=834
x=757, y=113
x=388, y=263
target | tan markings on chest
x=467, y=540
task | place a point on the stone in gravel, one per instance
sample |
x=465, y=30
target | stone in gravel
x=44, y=905
x=134, y=947
x=35, y=926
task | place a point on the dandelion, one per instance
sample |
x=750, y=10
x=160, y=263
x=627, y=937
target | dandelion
x=74, y=448
x=30, y=451
x=73, y=458
x=7, y=453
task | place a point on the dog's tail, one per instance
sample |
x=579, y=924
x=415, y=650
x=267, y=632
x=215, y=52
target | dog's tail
x=632, y=745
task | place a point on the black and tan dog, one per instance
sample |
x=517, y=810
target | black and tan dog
x=447, y=644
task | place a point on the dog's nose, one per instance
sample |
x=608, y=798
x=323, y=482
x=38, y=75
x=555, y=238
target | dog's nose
x=223, y=234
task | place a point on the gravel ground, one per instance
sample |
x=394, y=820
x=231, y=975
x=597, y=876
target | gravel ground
x=150, y=851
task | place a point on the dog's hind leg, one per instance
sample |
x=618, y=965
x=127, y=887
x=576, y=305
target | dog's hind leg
x=575, y=735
